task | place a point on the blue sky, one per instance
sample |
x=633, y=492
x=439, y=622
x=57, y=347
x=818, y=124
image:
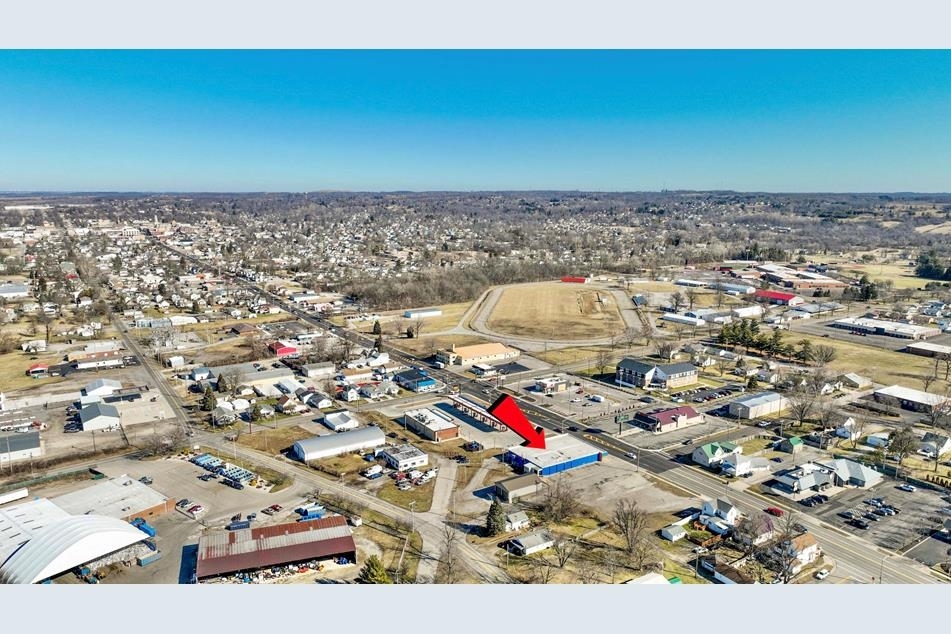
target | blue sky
x=425, y=120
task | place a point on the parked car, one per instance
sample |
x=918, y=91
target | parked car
x=700, y=550
x=908, y=487
x=822, y=574
x=776, y=459
x=776, y=512
x=183, y=503
x=871, y=516
x=763, y=424
x=689, y=441
x=859, y=523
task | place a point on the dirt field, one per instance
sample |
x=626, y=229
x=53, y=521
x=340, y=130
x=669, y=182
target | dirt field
x=274, y=440
x=429, y=345
x=451, y=314
x=556, y=311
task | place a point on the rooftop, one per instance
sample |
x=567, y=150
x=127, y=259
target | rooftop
x=431, y=419
x=120, y=497
x=558, y=449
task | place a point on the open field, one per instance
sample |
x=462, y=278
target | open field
x=429, y=345
x=451, y=314
x=940, y=229
x=553, y=310
x=654, y=287
x=901, y=275
x=13, y=367
x=224, y=325
x=882, y=366
x=273, y=440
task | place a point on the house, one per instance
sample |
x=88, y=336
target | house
x=288, y=404
x=792, y=445
x=200, y=374
x=223, y=415
x=531, y=543
x=847, y=429
x=721, y=509
x=910, y=399
x=633, y=373
x=673, y=532
x=803, y=548
x=935, y=444
x=318, y=401
x=36, y=345
x=712, y=454
x=517, y=521
x=668, y=419
x=850, y=473
x=736, y=465
x=350, y=394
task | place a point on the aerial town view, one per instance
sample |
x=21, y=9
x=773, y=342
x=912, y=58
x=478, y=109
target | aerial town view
x=474, y=375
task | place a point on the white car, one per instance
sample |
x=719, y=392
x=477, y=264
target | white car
x=763, y=423
x=908, y=487
x=822, y=574
x=700, y=550
x=631, y=455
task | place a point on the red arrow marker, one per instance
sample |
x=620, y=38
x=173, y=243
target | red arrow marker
x=506, y=410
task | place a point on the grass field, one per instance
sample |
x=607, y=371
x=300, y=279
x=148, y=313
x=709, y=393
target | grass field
x=901, y=276
x=274, y=440
x=882, y=366
x=13, y=367
x=451, y=314
x=556, y=311
x=941, y=229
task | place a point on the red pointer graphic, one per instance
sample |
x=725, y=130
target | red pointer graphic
x=506, y=410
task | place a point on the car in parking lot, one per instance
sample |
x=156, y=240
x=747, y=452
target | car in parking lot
x=821, y=498
x=810, y=502
x=776, y=459
x=859, y=523
x=763, y=424
x=848, y=514
x=183, y=503
x=198, y=508
x=907, y=487
x=700, y=550
x=689, y=441
x=871, y=516
x=822, y=574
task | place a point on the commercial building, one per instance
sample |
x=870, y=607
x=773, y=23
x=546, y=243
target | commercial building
x=422, y=313
x=101, y=387
x=633, y=373
x=122, y=498
x=484, y=370
x=282, y=349
x=562, y=452
x=758, y=405
x=793, y=278
x=405, y=457
x=99, y=416
x=551, y=384
x=907, y=398
x=20, y=446
x=479, y=353
x=14, y=291
x=415, y=380
x=335, y=444
x=252, y=549
x=94, y=360
x=511, y=489
x=319, y=370
x=888, y=328
x=683, y=319
x=668, y=419
x=712, y=454
x=431, y=424
x=778, y=297
x=925, y=349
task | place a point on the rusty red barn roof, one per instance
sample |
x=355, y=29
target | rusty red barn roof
x=223, y=552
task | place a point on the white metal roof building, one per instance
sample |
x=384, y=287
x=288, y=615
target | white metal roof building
x=335, y=444
x=340, y=421
x=561, y=453
x=122, y=498
x=925, y=349
x=405, y=457
x=19, y=523
x=908, y=398
x=102, y=387
x=757, y=405
x=65, y=544
x=888, y=328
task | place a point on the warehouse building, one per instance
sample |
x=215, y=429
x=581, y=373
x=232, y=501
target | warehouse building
x=562, y=452
x=908, y=398
x=122, y=497
x=431, y=424
x=925, y=349
x=479, y=353
x=887, y=328
x=319, y=370
x=405, y=457
x=253, y=549
x=99, y=416
x=101, y=387
x=335, y=444
x=511, y=489
x=422, y=313
x=20, y=446
x=415, y=380
x=758, y=405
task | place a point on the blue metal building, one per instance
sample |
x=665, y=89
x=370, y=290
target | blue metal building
x=561, y=453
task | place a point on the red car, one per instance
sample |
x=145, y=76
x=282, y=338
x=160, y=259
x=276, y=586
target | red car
x=772, y=510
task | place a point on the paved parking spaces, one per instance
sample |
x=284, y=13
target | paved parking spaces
x=647, y=440
x=919, y=514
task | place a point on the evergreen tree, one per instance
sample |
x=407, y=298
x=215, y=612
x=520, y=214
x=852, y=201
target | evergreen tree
x=208, y=400
x=374, y=572
x=377, y=329
x=255, y=413
x=495, y=520
x=222, y=385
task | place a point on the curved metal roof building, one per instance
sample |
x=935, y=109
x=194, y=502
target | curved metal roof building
x=65, y=544
x=336, y=444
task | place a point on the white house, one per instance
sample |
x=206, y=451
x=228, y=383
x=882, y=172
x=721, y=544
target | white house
x=722, y=509
x=673, y=532
x=517, y=521
x=878, y=439
x=935, y=445
x=533, y=542
x=804, y=548
x=738, y=465
x=712, y=454
x=847, y=429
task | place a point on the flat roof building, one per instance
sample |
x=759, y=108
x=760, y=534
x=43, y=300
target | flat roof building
x=479, y=353
x=758, y=405
x=405, y=457
x=335, y=444
x=908, y=398
x=252, y=549
x=562, y=452
x=122, y=497
x=431, y=424
x=887, y=328
x=20, y=446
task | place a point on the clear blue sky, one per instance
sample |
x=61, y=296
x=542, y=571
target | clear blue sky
x=424, y=120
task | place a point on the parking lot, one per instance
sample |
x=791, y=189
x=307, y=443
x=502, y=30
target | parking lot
x=917, y=518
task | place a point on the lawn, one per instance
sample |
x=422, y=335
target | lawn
x=881, y=366
x=755, y=445
x=556, y=311
x=273, y=440
x=13, y=367
x=422, y=495
x=901, y=275
x=451, y=315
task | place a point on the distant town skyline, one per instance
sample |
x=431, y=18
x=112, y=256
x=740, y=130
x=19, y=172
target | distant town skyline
x=242, y=121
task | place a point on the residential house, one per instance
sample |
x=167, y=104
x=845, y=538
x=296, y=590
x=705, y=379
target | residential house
x=792, y=445
x=935, y=445
x=737, y=465
x=719, y=516
x=517, y=521
x=288, y=404
x=712, y=454
x=803, y=548
x=533, y=542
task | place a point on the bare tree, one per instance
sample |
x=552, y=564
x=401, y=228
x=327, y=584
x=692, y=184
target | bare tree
x=585, y=570
x=783, y=552
x=823, y=355
x=857, y=430
x=677, y=301
x=417, y=327
x=902, y=443
x=399, y=327
x=630, y=337
x=560, y=500
x=449, y=560
x=749, y=531
x=631, y=522
x=564, y=549
x=939, y=415
x=691, y=294
x=666, y=350
x=602, y=360
x=802, y=401
x=927, y=380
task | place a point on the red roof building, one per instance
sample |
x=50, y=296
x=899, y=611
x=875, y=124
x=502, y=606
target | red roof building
x=281, y=348
x=778, y=297
x=251, y=549
x=669, y=419
x=37, y=368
